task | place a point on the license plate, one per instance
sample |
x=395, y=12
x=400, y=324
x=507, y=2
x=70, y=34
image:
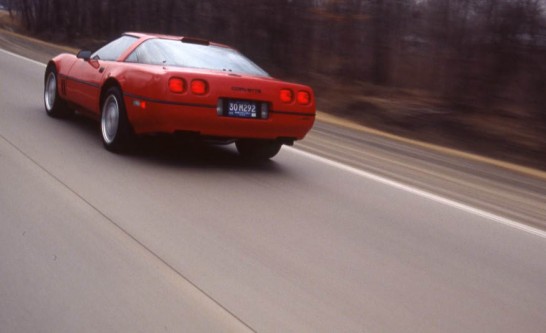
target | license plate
x=242, y=109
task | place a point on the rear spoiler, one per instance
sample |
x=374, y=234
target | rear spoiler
x=197, y=41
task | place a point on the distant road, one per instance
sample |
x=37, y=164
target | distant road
x=349, y=232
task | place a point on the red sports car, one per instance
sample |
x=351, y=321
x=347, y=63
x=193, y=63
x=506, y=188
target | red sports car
x=147, y=84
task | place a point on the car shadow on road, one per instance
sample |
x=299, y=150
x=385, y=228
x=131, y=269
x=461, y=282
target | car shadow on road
x=186, y=153
x=171, y=151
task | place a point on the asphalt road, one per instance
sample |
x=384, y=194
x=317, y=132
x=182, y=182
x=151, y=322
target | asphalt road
x=351, y=232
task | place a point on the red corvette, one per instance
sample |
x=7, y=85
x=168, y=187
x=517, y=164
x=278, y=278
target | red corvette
x=146, y=84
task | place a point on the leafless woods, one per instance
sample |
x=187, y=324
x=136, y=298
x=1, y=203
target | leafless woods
x=471, y=52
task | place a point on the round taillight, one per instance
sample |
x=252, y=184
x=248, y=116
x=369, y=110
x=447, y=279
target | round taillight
x=199, y=87
x=286, y=96
x=303, y=97
x=177, y=85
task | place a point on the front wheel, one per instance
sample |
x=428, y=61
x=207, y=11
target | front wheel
x=258, y=149
x=115, y=128
x=55, y=106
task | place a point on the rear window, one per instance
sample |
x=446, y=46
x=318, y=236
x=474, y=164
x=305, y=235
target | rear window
x=176, y=53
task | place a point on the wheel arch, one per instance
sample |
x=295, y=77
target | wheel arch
x=109, y=83
x=50, y=64
x=62, y=63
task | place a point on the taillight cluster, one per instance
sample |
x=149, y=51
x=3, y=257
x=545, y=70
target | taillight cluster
x=177, y=85
x=197, y=86
x=302, y=97
x=287, y=96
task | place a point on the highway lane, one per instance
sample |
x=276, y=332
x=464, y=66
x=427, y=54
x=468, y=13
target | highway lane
x=64, y=267
x=192, y=236
x=495, y=186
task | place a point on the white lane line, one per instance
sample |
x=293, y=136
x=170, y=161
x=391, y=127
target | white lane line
x=23, y=58
x=390, y=182
x=422, y=193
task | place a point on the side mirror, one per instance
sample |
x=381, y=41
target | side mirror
x=84, y=54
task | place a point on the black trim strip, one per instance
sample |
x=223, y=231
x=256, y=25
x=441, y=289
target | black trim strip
x=153, y=100
x=293, y=113
x=87, y=83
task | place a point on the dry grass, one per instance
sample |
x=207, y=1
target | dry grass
x=505, y=132
x=10, y=23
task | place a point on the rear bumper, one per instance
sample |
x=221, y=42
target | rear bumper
x=203, y=119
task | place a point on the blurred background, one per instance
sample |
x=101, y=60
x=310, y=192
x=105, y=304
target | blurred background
x=470, y=74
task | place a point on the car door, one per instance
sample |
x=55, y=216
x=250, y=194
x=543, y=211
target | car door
x=87, y=75
x=83, y=86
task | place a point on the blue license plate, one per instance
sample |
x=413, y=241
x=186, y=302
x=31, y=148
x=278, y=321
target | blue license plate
x=242, y=109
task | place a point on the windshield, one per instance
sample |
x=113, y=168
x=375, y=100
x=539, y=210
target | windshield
x=176, y=53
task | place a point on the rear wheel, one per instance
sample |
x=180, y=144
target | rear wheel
x=55, y=106
x=258, y=149
x=115, y=128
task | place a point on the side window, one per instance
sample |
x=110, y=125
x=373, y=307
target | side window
x=113, y=50
x=149, y=52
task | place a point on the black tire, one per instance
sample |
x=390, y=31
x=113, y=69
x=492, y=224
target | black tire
x=55, y=106
x=116, y=132
x=258, y=150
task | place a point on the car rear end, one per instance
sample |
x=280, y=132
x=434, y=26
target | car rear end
x=224, y=105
